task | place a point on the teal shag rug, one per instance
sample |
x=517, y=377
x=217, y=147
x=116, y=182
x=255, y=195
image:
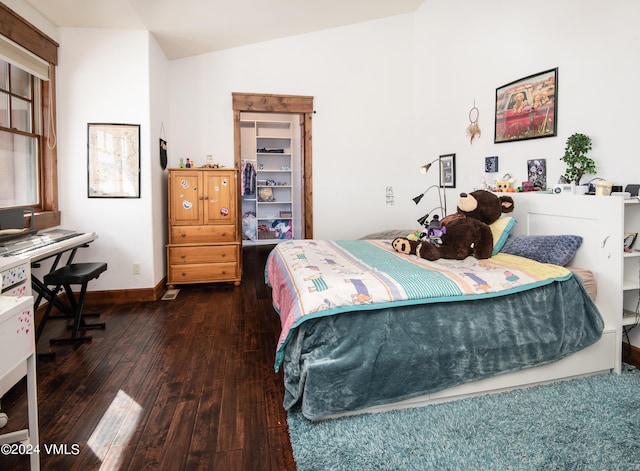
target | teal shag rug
x=590, y=423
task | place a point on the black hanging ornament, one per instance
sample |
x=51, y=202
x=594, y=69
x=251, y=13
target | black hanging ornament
x=163, y=148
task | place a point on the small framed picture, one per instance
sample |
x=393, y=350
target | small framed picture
x=491, y=164
x=537, y=172
x=448, y=171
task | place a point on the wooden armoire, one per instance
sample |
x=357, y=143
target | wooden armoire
x=204, y=227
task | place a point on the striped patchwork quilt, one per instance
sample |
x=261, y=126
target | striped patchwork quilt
x=312, y=278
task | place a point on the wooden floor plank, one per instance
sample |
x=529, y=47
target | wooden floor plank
x=255, y=450
x=154, y=437
x=178, y=441
x=230, y=427
x=205, y=432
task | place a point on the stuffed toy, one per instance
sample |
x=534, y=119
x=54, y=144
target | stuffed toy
x=505, y=184
x=405, y=245
x=417, y=235
x=466, y=232
x=435, y=231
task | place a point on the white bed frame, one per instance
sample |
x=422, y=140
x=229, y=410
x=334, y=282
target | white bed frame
x=599, y=220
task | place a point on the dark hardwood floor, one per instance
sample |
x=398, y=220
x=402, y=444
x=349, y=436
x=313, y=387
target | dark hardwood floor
x=186, y=384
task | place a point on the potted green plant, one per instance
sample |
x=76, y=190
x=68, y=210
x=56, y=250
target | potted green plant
x=575, y=156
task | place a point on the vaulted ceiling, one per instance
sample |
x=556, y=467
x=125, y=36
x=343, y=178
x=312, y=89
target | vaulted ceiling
x=186, y=28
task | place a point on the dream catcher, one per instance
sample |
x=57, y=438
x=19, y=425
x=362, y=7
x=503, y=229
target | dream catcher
x=473, y=130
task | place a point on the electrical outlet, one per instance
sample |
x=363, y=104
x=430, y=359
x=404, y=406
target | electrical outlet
x=136, y=268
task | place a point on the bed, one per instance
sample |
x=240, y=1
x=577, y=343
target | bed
x=365, y=328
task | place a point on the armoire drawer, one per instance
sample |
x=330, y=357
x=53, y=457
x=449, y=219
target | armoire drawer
x=203, y=234
x=203, y=272
x=203, y=254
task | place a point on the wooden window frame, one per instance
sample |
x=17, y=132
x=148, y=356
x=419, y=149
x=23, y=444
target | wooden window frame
x=20, y=31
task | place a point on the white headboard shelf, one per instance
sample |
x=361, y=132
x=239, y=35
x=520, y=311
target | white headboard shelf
x=600, y=221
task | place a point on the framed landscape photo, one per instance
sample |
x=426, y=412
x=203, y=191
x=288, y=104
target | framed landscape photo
x=527, y=108
x=448, y=171
x=113, y=161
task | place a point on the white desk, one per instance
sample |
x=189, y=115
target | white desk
x=18, y=355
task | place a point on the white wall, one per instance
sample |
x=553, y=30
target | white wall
x=464, y=57
x=361, y=78
x=159, y=120
x=103, y=77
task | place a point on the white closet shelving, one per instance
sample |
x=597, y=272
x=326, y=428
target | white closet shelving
x=269, y=202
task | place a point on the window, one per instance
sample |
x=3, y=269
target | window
x=28, y=153
x=20, y=111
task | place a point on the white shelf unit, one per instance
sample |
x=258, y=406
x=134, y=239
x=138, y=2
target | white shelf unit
x=269, y=146
x=631, y=266
x=18, y=359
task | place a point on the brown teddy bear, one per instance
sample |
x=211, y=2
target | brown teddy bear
x=467, y=231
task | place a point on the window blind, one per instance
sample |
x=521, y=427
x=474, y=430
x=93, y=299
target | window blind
x=20, y=57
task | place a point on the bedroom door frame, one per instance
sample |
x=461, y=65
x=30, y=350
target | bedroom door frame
x=289, y=104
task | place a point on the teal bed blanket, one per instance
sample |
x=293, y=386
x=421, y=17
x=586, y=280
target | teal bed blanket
x=364, y=325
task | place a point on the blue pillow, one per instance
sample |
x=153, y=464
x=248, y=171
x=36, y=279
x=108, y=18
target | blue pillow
x=554, y=249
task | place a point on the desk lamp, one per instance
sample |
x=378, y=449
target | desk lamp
x=443, y=205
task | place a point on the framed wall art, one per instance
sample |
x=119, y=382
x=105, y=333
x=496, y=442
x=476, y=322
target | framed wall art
x=491, y=164
x=537, y=173
x=113, y=161
x=527, y=108
x=448, y=171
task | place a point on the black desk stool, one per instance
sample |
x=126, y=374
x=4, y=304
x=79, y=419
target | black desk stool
x=73, y=274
